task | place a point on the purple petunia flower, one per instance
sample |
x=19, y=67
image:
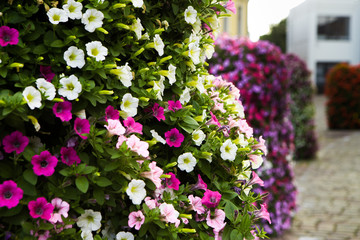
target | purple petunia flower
x=16, y=141
x=62, y=110
x=44, y=164
x=8, y=36
x=47, y=73
x=111, y=113
x=10, y=194
x=69, y=156
x=40, y=208
x=82, y=126
x=174, y=138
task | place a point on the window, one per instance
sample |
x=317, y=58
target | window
x=333, y=28
x=239, y=22
x=322, y=68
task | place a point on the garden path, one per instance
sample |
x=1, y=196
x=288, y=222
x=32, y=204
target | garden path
x=328, y=186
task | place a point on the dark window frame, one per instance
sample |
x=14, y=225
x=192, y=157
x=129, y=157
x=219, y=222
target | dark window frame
x=333, y=27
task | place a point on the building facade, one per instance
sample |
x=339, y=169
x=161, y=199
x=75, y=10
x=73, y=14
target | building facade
x=324, y=33
x=237, y=24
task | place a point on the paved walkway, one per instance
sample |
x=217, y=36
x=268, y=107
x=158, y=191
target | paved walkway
x=328, y=186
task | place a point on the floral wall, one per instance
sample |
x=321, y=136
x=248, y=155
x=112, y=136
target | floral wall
x=258, y=69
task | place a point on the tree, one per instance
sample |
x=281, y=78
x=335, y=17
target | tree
x=277, y=35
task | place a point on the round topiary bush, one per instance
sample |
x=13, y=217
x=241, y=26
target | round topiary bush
x=111, y=127
x=258, y=69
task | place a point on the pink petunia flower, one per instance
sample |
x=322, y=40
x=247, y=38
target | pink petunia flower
x=154, y=174
x=213, y=120
x=10, y=194
x=41, y=234
x=216, y=220
x=16, y=141
x=61, y=208
x=158, y=112
x=136, y=219
x=174, y=106
x=174, y=138
x=40, y=208
x=69, y=156
x=261, y=145
x=200, y=184
x=196, y=204
x=218, y=232
x=263, y=213
x=111, y=113
x=245, y=128
x=8, y=36
x=169, y=213
x=62, y=110
x=138, y=146
x=151, y=203
x=44, y=164
x=172, y=182
x=115, y=127
x=82, y=126
x=132, y=126
x=211, y=198
x=120, y=141
x=255, y=180
x=230, y=5
x=47, y=73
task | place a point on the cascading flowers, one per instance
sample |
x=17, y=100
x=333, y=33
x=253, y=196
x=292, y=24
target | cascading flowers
x=111, y=127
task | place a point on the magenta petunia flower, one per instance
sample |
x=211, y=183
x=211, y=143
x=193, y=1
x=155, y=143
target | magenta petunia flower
x=47, y=73
x=200, y=184
x=16, y=141
x=61, y=208
x=136, y=219
x=172, y=182
x=158, y=112
x=82, y=126
x=213, y=120
x=132, y=126
x=40, y=208
x=10, y=194
x=211, y=198
x=263, y=213
x=111, y=113
x=69, y=156
x=174, y=106
x=62, y=110
x=174, y=138
x=8, y=36
x=44, y=164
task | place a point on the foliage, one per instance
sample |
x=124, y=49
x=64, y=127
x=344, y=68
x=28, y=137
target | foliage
x=342, y=90
x=111, y=127
x=277, y=35
x=258, y=69
x=302, y=108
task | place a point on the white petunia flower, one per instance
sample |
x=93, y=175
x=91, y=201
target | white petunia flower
x=166, y=24
x=97, y=50
x=70, y=87
x=198, y=136
x=209, y=50
x=137, y=3
x=32, y=96
x=158, y=138
x=242, y=141
x=185, y=96
x=136, y=191
x=73, y=9
x=137, y=28
x=124, y=74
x=124, y=236
x=92, y=19
x=47, y=88
x=158, y=90
x=159, y=44
x=190, y=15
x=186, y=162
x=145, y=36
x=197, y=25
x=194, y=38
x=129, y=105
x=89, y=220
x=57, y=15
x=200, y=84
x=194, y=53
x=81, y=114
x=86, y=235
x=74, y=57
x=228, y=150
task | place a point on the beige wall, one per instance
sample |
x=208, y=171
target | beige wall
x=236, y=25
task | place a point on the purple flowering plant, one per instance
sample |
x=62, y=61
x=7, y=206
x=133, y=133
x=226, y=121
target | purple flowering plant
x=112, y=128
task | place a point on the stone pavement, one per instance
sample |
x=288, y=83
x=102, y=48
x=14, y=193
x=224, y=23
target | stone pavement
x=328, y=186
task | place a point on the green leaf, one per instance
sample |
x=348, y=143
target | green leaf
x=192, y=122
x=57, y=43
x=230, y=210
x=97, y=237
x=99, y=196
x=66, y=172
x=40, y=49
x=235, y=234
x=103, y=182
x=3, y=72
x=30, y=176
x=112, y=166
x=82, y=184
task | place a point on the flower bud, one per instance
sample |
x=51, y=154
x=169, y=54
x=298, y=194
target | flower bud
x=188, y=216
x=165, y=176
x=138, y=52
x=170, y=165
x=109, y=66
x=58, y=100
x=159, y=30
x=118, y=5
x=106, y=92
x=187, y=230
x=124, y=26
x=165, y=59
x=16, y=65
x=35, y=122
x=100, y=29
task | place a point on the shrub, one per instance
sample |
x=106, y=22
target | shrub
x=342, y=91
x=302, y=108
x=258, y=70
x=111, y=127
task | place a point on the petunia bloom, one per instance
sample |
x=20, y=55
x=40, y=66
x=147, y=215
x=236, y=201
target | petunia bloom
x=57, y=15
x=16, y=141
x=190, y=15
x=154, y=174
x=186, y=162
x=8, y=36
x=136, y=219
x=10, y=194
x=124, y=74
x=69, y=156
x=129, y=105
x=70, y=87
x=211, y=198
x=158, y=112
x=138, y=146
x=263, y=213
x=47, y=73
x=46, y=88
x=172, y=182
x=44, y=164
x=40, y=208
x=124, y=236
x=168, y=212
x=198, y=136
x=115, y=127
x=82, y=126
x=261, y=145
x=216, y=220
x=159, y=44
x=61, y=208
x=174, y=138
x=62, y=110
x=196, y=204
x=74, y=57
x=136, y=191
x=73, y=9
x=89, y=220
x=174, y=105
x=200, y=184
x=228, y=150
x=97, y=50
x=132, y=126
x=32, y=97
x=111, y=113
x=92, y=19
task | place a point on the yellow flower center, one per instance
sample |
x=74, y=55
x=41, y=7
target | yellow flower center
x=72, y=8
x=56, y=17
x=94, y=51
x=70, y=86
